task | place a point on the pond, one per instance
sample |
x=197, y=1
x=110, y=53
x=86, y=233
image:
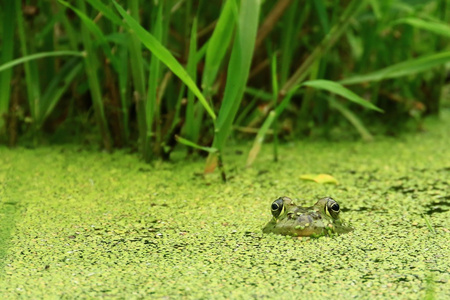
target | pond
x=78, y=223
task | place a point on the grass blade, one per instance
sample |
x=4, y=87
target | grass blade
x=308, y=97
x=201, y=52
x=238, y=70
x=431, y=26
x=405, y=68
x=218, y=44
x=91, y=65
x=322, y=14
x=152, y=103
x=274, y=100
x=31, y=57
x=257, y=144
x=429, y=224
x=31, y=78
x=329, y=40
x=57, y=87
x=69, y=28
x=259, y=139
x=6, y=55
x=106, y=11
x=194, y=145
x=338, y=89
x=123, y=78
x=259, y=93
x=95, y=30
x=138, y=76
x=271, y=19
x=330, y=86
x=293, y=22
x=151, y=43
x=192, y=70
x=352, y=118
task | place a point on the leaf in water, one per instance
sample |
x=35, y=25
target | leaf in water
x=319, y=178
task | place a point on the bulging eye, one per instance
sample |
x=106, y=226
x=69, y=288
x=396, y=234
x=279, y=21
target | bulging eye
x=335, y=207
x=277, y=207
x=332, y=208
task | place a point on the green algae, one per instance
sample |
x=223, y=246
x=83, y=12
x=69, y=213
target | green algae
x=90, y=225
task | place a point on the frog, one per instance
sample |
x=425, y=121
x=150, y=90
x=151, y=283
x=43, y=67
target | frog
x=321, y=219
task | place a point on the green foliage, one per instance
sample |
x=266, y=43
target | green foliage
x=6, y=55
x=91, y=65
x=218, y=44
x=406, y=68
x=338, y=89
x=241, y=67
x=191, y=129
x=31, y=57
x=432, y=26
x=149, y=41
x=237, y=74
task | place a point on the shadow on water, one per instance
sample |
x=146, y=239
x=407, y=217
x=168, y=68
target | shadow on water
x=438, y=207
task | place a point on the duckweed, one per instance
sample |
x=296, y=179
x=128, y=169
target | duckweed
x=91, y=225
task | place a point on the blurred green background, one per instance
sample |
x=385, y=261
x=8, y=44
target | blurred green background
x=151, y=75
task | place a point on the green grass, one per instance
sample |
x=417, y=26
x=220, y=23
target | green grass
x=151, y=71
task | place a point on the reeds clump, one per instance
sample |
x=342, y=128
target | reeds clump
x=155, y=74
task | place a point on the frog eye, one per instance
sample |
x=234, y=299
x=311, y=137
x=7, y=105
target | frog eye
x=332, y=208
x=277, y=207
x=335, y=207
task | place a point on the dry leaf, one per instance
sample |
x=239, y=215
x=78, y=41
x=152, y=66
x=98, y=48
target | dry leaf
x=319, y=178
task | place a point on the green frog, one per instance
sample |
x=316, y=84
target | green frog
x=320, y=219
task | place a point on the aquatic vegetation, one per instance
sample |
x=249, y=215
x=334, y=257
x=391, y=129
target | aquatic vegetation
x=79, y=223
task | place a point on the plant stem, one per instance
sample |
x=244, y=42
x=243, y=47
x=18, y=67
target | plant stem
x=91, y=65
